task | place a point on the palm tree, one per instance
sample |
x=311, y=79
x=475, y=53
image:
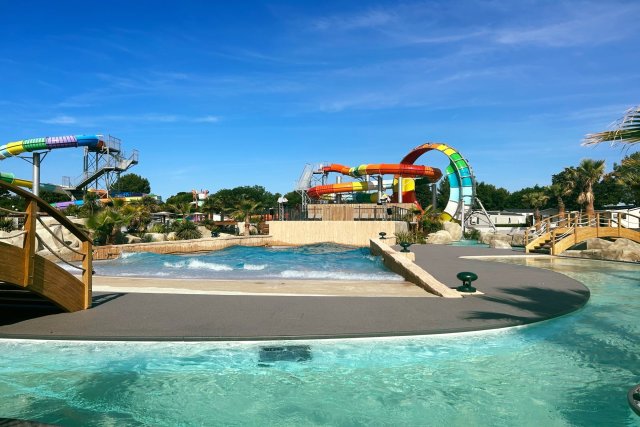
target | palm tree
x=536, y=200
x=245, y=207
x=589, y=172
x=628, y=174
x=213, y=205
x=563, y=185
x=183, y=209
x=106, y=225
x=625, y=131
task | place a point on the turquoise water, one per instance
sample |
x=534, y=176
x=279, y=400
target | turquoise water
x=571, y=371
x=322, y=261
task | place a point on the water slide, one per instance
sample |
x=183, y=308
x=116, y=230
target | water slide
x=405, y=171
x=12, y=149
x=458, y=173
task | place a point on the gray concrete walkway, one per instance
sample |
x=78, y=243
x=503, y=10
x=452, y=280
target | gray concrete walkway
x=513, y=295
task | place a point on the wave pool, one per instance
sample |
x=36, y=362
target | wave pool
x=322, y=261
x=570, y=371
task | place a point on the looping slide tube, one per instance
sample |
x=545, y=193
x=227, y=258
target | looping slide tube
x=16, y=148
x=459, y=175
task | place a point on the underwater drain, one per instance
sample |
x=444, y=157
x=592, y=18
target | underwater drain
x=286, y=353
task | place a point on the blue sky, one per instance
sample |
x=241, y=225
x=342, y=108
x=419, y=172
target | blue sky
x=219, y=94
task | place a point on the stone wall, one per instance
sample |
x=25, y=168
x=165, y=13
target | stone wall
x=180, y=246
x=411, y=272
x=353, y=233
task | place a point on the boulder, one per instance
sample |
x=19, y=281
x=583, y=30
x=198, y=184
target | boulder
x=517, y=239
x=132, y=239
x=499, y=244
x=204, y=231
x=172, y=236
x=488, y=237
x=623, y=243
x=596, y=243
x=15, y=237
x=454, y=229
x=441, y=237
x=619, y=254
x=157, y=237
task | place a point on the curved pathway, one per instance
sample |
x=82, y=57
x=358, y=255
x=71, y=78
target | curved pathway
x=513, y=295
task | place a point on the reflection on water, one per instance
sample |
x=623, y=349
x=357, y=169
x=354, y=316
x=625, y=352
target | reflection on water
x=573, y=370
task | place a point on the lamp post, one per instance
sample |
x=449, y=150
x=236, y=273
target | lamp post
x=281, y=202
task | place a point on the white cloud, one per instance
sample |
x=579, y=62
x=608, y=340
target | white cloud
x=207, y=119
x=61, y=120
x=363, y=20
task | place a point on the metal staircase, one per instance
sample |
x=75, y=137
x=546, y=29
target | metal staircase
x=101, y=167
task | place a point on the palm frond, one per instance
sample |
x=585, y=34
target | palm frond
x=624, y=131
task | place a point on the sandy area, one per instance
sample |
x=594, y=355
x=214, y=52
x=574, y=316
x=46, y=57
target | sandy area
x=343, y=288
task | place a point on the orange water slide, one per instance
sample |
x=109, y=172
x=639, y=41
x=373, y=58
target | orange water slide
x=403, y=170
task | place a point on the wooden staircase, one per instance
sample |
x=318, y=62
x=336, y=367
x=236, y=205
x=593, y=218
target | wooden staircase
x=558, y=233
x=23, y=270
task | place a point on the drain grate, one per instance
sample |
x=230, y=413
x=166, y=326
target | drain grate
x=286, y=353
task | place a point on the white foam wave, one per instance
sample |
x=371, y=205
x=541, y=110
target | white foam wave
x=254, y=267
x=336, y=275
x=125, y=255
x=194, y=264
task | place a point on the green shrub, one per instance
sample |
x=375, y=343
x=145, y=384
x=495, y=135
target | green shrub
x=187, y=230
x=409, y=237
x=431, y=224
x=472, y=234
x=6, y=224
x=159, y=228
x=147, y=238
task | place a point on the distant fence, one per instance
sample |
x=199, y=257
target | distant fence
x=339, y=212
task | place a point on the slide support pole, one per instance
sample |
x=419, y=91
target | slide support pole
x=36, y=174
x=400, y=189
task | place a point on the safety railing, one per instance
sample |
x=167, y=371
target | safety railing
x=558, y=227
x=346, y=212
x=32, y=215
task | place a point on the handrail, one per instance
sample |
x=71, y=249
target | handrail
x=29, y=247
x=53, y=212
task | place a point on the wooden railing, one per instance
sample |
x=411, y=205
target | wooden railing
x=582, y=226
x=37, y=274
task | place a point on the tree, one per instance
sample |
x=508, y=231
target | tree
x=492, y=198
x=625, y=131
x=535, y=200
x=131, y=183
x=106, y=225
x=515, y=200
x=423, y=192
x=244, y=209
x=562, y=186
x=589, y=172
x=628, y=174
x=181, y=197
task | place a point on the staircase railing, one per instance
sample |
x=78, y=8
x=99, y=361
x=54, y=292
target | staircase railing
x=559, y=227
x=32, y=214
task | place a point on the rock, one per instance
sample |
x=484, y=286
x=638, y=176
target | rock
x=441, y=237
x=499, y=244
x=488, y=237
x=626, y=244
x=14, y=237
x=204, y=231
x=157, y=237
x=596, y=243
x=517, y=239
x=132, y=239
x=454, y=229
x=172, y=236
x=620, y=254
